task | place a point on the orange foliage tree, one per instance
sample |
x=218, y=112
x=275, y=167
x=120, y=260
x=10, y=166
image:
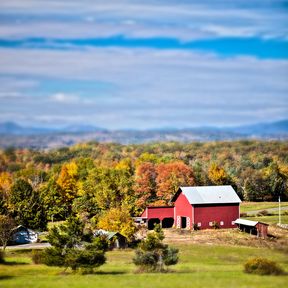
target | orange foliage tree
x=170, y=176
x=145, y=184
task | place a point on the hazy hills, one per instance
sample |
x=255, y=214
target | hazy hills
x=13, y=134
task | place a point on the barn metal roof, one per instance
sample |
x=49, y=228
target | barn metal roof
x=210, y=194
x=248, y=222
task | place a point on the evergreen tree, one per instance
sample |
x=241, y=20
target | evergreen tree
x=153, y=255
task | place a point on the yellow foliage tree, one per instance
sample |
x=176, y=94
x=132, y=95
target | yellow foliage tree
x=5, y=183
x=118, y=220
x=68, y=181
x=217, y=175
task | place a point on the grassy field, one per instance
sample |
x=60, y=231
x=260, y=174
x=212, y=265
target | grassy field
x=252, y=206
x=271, y=219
x=199, y=266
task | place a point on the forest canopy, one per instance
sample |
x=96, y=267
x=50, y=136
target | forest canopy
x=94, y=180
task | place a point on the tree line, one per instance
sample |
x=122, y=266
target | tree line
x=106, y=183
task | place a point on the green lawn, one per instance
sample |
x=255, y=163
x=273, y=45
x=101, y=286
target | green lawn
x=272, y=219
x=199, y=266
x=251, y=206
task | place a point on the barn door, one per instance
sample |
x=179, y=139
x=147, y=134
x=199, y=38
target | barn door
x=183, y=222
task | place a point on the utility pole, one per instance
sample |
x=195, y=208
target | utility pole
x=279, y=200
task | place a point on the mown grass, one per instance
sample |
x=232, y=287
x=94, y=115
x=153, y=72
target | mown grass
x=199, y=266
x=271, y=219
x=252, y=206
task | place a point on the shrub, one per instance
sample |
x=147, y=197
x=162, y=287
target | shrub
x=215, y=225
x=195, y=227
x=53, y=257
x=262, y=266
x=263, y=213
x=243, y=214
x=153, y=255
x=37, y=256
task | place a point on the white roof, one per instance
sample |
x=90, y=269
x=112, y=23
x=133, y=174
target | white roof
x=210, y=194
x=246, y=222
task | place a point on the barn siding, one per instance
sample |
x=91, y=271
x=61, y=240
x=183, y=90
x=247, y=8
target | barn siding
x=262, y=230
x=182, y=209
x=225, y=213
x=160, y=212
x=144, y=213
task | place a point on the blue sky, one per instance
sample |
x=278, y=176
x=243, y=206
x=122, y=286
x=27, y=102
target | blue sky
x=143, y=64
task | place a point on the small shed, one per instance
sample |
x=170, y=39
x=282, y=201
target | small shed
x=23, y=235
x=117, y=240
x=257, y=228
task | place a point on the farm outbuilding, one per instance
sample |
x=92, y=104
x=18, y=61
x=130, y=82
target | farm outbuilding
x=116, y=239
x=197, y=207
x=257, y=228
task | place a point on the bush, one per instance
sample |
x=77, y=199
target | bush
x=215, y=225
x=85, y=259
x=263, y=213
x=53, y=257
x=195, y=227
x=262, y=266
x=146, y=260
x=37, y=256
x=243, y=214
x=153, y=255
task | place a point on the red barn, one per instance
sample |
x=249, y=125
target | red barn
x=200, y=206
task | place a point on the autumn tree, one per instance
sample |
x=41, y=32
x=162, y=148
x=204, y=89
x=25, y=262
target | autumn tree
x=218, y=175
x=170, y=176
x=145, y=184
x=67, y=181
x=118, y=220
x=5, y=186
x=110, y=187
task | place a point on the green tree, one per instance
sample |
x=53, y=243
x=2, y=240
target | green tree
x=110, y=187
x=6, y=225
x=257, y=188
x=69, y=249
x=26, y=206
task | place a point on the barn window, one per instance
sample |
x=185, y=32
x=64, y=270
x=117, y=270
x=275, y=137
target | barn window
x=210, y=223
x=199, y=224
x=221, y=223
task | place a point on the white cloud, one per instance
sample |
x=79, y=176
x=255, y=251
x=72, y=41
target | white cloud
x=150, y=87
x=185, y=20
x=64, y=98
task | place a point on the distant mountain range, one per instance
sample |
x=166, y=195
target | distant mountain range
x=11, y=128
x=13, y=134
